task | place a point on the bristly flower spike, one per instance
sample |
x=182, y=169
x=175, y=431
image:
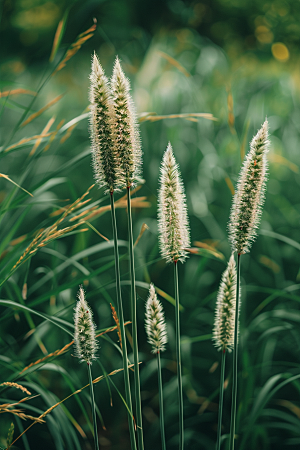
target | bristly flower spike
x=126, y=129
x=223, y=332
x=105, y=156
x=85, y=330
x=250, y=194
x=155, y=324
x=174, y=235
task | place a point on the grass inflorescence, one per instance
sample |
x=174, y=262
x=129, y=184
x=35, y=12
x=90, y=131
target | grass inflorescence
x=56, y=234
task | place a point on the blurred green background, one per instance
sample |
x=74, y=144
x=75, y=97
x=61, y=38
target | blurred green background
x=239, y=61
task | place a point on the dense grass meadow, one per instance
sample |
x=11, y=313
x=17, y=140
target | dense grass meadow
x=204, y=77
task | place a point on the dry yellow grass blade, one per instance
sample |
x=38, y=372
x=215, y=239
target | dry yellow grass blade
x=38, y=113
x=137, y=202
x=16, y=92
x=268, y=262
x=2, y=175
x=153, y=117
x=144, y=227
x=71, y=128
x=116, y=319
x=63, y=350
x=44, y=236
x=289, y=405
x=57, y=38
x=53, y=135
x=44, y=133
x=17, y=386
x=230, y=185
x=25, y=140
x=208, y=248
x=68, y=133
x=49, y=410
x=9, y=408
x=81, y=39
x=278, y=159
x=174, y=63
x=18, y=240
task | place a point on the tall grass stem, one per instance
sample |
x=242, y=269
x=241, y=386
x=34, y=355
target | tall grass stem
x=221, y=397
x=93, y=407
x=179, y=377
x=235, y=357
x=134, y=328
x=161, y=404
x=121, y=318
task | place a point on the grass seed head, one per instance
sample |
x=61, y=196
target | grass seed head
x=85, y=330
x=105, y=156
x=155, y=324
x=126, y=128
x=249, y=197
x=223, y=332
x=174, y=234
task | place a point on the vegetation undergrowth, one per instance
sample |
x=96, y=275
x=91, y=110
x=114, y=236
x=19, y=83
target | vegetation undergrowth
x=56, y=234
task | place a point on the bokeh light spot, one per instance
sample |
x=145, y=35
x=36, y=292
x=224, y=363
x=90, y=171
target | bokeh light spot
x=280, y=51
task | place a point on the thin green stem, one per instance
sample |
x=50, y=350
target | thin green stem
x=93, y=407
x=221, y=397
x=121, y=319
x=177, y=331
x=161, y=404
x=235, y=357
x=134, y=329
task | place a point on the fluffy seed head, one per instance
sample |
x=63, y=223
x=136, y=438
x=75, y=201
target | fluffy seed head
x=223, y=332
x=249, y=197
x=173, y=226
x=105, y=156
x=85, y=330
x=155, y=322
x=128, y=144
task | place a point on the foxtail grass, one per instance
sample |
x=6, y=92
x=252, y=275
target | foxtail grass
x=128, y=147
x=243, y=224
x=86, y=346
x=122, y=327
x=157, y=337
x=108, y=174
x=223, y=333
x=174, y=239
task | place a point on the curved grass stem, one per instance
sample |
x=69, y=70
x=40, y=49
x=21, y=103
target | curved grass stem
x=121, y=319
x=161, y=404
x=235, y=358
x=93, y=407
x=221, y=397
x=178, y=354
x=134, y=328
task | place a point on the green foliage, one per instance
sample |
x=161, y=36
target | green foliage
x=43, y=258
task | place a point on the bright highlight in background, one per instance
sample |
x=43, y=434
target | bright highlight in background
x=280, y=52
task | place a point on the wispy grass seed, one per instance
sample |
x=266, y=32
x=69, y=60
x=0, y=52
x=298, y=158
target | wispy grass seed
x=155, y=324
x=174, y=235
x=250, y=194
x=85, y=330
x=106, y=163
x=223, y=332
x=126, y=129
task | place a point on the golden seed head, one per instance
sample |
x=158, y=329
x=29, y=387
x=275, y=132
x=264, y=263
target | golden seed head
x=174, y=235
x=223, y=332
x=249, y=197
x=85, y=330
x=106, y=162
x=155, y=324
x=126, y=128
